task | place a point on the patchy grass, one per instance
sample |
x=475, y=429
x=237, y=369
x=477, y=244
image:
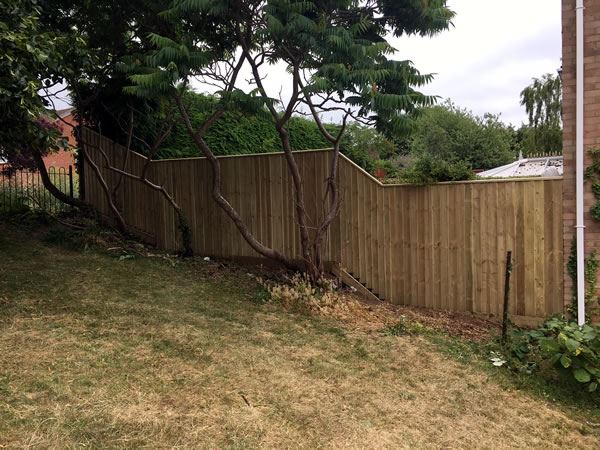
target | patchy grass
x=104, y=351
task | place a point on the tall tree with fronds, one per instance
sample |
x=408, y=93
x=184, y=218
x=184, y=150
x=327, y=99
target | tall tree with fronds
x=542, y=100
x=339, y=63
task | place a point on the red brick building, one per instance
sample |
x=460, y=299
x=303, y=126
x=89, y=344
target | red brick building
x=64, y=158
x=591, y=123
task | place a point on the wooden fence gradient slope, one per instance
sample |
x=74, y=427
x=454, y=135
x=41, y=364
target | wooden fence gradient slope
x=441, y=246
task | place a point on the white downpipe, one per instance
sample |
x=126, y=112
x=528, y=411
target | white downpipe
x=579, y=168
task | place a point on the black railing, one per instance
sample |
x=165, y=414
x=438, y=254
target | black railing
x=24, y=190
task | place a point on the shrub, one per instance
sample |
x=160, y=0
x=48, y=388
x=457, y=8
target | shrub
x=428, y=169
x=12, y=202
x=573, y=350
x=369, y=149
x=239, y=133
x=450, y=133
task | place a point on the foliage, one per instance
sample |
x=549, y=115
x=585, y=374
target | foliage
x=369, y=149
x=574, y=350
x=592, y=174
x=341, y=44
x=449, y=133
x=12, y=203
x=538, y=142
x=28, y=61
x=96, y=36
x=542, y=100
x=591, y=270
x=242, y=133
x=237, y=132
x=427, y=169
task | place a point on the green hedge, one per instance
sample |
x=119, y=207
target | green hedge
x=239, y=133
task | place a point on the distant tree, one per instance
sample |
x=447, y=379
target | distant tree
x=453, y=134
x=542, y=100
x=427, y=169
x=370, y=149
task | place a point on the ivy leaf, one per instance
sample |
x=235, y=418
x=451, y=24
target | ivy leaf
x=582, y=375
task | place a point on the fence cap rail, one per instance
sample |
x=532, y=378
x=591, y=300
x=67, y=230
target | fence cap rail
x=243, y=155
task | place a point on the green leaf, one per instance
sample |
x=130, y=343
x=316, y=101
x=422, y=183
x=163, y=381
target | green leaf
x=582, y=375
x=550, y=346
x=572, y=345
x=565, y=361
x=592, y=387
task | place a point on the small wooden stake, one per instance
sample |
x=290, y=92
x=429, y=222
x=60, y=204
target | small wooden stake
x=506, y=296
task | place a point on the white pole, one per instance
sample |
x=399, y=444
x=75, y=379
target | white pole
x=579, y=168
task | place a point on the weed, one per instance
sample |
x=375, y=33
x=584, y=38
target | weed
x=405, y=327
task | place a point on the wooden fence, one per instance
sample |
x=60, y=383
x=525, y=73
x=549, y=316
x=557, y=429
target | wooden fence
x=441, y=246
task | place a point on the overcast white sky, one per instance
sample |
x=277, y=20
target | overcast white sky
x=491, y=53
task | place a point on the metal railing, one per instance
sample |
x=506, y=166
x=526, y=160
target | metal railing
x=24, y=190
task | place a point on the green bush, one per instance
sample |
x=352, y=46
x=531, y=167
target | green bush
x=450, y=133
x=239, y=133
x=428, y=169
x=573, y=350
x=369, y=149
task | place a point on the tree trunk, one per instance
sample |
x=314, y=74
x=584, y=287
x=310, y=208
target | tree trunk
x=121, y=225
x=311, y=268
x=50, y=187
x=217, y=196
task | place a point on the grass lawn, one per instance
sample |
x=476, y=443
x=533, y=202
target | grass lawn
x=107, y=353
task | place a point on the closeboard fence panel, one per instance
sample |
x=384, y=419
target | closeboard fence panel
x=439, y=246
x=445, y=244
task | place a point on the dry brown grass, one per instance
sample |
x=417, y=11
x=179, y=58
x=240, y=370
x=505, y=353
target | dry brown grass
x=98, y=352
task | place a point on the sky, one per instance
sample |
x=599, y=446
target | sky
x=491, y=53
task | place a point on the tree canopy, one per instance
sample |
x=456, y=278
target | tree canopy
x=28, y=61
x=542, y=100
x=451, y=133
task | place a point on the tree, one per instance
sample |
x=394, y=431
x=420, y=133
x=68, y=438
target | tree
x=542, y=100
x=338, y=62
x=30, y=59
x=26, y=59
x=370, y=149
x=453, y=134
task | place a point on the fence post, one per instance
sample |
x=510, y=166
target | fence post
x=70, y=181
x=506, y=296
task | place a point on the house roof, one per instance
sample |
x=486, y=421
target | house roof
x=64, y=112
x=550, y=166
